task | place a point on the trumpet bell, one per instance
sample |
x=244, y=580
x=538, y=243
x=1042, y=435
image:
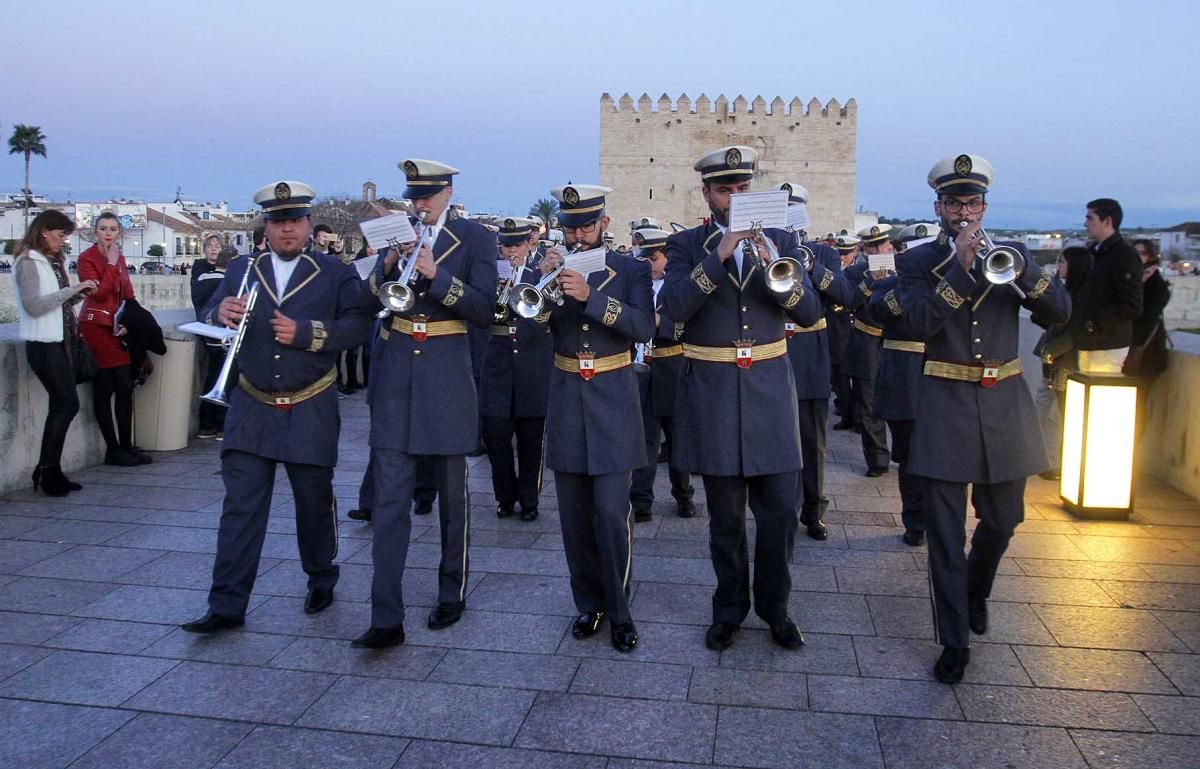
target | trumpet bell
x=1003, y=265
x=397, y=296
x=783, y=275
x=527, y=301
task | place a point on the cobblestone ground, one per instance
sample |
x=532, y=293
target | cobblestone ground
x=1091, y=659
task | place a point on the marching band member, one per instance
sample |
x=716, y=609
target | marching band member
x=515, y=383
x=808, y=350
x=422, y=394
x=735, y=419
x=975, y=422
x=594, y=437
x=837, y=315
x=898, y=380
x=664, y=358
x=283, y=407
x=862, y=351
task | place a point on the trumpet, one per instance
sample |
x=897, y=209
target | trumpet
x=528, y=301
x=807, y=257
x=781, y=273
x=397, y=295
x=217, y=393
x=1001, y=264
x=503, y=296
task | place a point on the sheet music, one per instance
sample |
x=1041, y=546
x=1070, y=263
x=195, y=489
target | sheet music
x=797, y=216
x=586, y=262
x=504, y=268
x=203, y=329
x=390, y=230
x=365, y=266
x=876, y=262
x=768, y=209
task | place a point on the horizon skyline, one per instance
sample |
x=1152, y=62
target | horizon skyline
x=1088, y=99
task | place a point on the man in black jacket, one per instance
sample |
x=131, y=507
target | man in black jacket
x=1111, y=297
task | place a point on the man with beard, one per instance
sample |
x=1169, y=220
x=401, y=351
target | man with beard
x=422, y=394
x=664, y=358
x=862, y=351
x=735, y=420
x=282, y=407
x=975, y=422
x=514, y=384
x=898, y=380
x=808, y=350
x=594, y=435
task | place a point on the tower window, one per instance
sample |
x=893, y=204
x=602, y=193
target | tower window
x=652, y=193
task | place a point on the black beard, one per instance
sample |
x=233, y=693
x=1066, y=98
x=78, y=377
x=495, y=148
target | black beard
x=720, y=217
x=288, y=256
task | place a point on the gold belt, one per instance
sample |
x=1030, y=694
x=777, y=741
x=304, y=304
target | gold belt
x=985, y=374
x=670, y=351
x=867, y=328
x=758, y=352
x=588, y=367
x=285, y=400
x=432, y=328
x=903, y=345
x=820, y=325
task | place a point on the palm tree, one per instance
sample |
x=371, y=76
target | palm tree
x=545, y=209
x=28, y=140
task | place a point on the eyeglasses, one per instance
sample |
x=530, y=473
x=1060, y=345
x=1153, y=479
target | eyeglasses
x=954, y=206
x=586, y=229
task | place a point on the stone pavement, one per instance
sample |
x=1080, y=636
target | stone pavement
x=1091, y=659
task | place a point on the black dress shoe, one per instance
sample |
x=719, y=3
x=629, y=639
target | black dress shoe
x=121, y=458
x=951, y=665
x=875, y=472
x=719, y=635
x=685, y=508
x=504, y=511
x=360, y=514
x=787, y=635
x=624, y=637
x=977, y=615
x=816, y=530
x=529, y=514
x=845, y=423
x=380, y=638
x=914, y=538
x=422, y=508
x=445, y=615
x=586, y=624
x=318, y=600
x=642, y=514
x=212, y=623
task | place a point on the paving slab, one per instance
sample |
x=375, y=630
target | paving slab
x=1174, y=715
x=882, y=697
x=153, y=741
x=1105, y=750
x=421, y=709
x=425, y=754
x=1052, y=707
x=1089, y=627
x=751, y=688
x=40, y=735
x=93, y=562
x=276, y=747
x=544, y=672
x=51, y=596
x=777, y=738
x=631, y=679
x=573, y=723
x=103, y=635
x=1093, y=669
x=916, y=744
x=85, y=678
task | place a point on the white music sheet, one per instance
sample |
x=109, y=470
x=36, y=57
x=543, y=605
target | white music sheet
x=203, y=329
x=878, y=262
x=390, y=230
x=766, y=209
x=365, y=266
x=586, y=262
x=503, y=268
x=797, y=216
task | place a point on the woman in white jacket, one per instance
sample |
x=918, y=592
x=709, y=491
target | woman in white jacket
x=49, y=328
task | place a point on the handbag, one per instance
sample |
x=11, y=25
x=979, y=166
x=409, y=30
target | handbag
x=1149, y=358
x=83, y=360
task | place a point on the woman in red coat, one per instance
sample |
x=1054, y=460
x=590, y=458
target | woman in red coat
x=105, y=264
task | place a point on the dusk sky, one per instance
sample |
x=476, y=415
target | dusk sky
x=1069, y=100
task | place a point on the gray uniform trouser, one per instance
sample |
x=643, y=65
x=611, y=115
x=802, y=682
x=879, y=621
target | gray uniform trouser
x=598, y=538
x=954, y=576
x=814, y=416
x=395, y=475
x=249, y=481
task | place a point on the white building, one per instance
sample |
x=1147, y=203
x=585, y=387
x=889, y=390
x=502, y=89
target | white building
x=1180, y=243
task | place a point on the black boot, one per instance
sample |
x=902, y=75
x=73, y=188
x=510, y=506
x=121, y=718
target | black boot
x=45, y=477
x=56, y=470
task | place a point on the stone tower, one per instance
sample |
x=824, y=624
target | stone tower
x=369, y=191
x=647, y=151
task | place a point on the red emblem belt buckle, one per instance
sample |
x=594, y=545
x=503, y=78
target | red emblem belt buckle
x=789, y=328
x=283, y=403
x=418, y=328
x=990, y=375
x=587, y=364
x=745, y=354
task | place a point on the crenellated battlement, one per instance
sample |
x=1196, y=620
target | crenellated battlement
x=722, y=106
x=648, y=147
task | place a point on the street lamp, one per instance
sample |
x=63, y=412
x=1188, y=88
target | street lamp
x=1098, y=438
